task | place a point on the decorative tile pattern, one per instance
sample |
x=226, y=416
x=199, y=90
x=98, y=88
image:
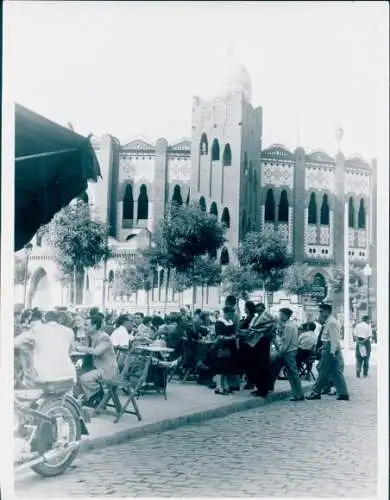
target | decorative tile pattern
x=290, y=228
x=319, y=179
x=269, y=228
x=331, y=232
x=277, y=175
x=318, y=252
x=357, y=183
x=179, y=170
x=351, y=237
x=283, y=231
x=311, y=234
x=324, y=235
x=361, y=238
x=262, y=212
x=136, y=169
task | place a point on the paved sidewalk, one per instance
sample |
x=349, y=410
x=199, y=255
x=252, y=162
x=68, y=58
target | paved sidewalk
x=187, y=403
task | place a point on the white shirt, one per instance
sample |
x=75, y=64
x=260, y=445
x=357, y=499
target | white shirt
x=120, y=337
x=363, y=330
x=52, y=345
x=307, y=341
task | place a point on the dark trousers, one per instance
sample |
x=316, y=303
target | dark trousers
x=289, y=361
x=258, y=369
x=331, y=369
x=362, y=362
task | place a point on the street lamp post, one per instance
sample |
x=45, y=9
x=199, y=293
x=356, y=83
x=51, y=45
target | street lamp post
x=27, y=250
x=367, y=271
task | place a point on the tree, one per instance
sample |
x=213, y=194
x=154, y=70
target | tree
x=135, y=276
x=182, y=235
x=205, y=272
x=239, y=281
x=297, y=279
x=267, y=256
x=78, y=241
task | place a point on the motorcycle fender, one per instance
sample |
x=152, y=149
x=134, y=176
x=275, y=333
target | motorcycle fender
x=71, y=400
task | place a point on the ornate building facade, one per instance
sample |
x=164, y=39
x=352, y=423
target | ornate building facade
x=226, y=169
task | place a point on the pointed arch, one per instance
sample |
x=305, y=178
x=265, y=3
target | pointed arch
x=361, y=215
x=111, y=276
x=143, y=203
x=243, y=222
x=87, y=283
x=283, y=207
x=227, y=156
x=269, y=214
x=204, y=145
x=312, y=212
x=188, y=197
x=351, y=213
x=324, y=215
x=225, y=219
x=249, y=226
x=128, y=203
x=176, y=198
x=224, y=259
x=202, y=204
x=214, y=209
x=215, y=152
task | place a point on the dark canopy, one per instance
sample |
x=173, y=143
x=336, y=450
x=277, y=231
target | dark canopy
x=52, y=166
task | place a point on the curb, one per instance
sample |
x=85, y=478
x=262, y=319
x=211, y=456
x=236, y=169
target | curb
x=91, y=444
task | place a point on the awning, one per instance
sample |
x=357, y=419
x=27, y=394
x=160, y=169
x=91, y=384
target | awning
x=52, y=166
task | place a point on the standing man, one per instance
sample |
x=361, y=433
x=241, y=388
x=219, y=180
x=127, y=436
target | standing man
x=331, y=363
x=287, y=354
x=362, y=335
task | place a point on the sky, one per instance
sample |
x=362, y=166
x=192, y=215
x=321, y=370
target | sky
x=131, y=68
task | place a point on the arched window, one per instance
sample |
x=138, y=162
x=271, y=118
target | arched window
x=249, y=227
x=214, y=209
x=361, y=215
x=283, y=207
x=227, y=156
x=324, y=218
x=312, y=214
x=130, y=237
x=269, y=215
x=202, y=204
x=176, y=198
x=188, y=197
x=225, y=219
x=143, y=203
x=204, y=145
x=111, y=276
x=128, y=203
x=225, y=259
x=155, y=278
x=351, y=213
x=215, y=150
x=243, y=222
x=39, y=239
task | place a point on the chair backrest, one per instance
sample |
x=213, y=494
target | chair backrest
x=135, y=369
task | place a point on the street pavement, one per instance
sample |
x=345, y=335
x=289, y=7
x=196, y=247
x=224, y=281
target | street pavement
x=323, y=448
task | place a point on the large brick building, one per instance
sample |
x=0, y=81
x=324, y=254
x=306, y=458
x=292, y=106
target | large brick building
x=225, y=167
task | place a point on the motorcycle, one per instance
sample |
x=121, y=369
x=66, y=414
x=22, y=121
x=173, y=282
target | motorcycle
x=48, y=427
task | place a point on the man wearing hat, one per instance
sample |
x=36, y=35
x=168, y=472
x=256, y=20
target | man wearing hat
x=331, y=363
x=287, y=353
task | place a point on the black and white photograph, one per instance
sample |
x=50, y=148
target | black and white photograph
x=194, y=246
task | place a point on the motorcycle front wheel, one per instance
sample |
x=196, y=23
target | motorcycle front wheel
x=67, y=422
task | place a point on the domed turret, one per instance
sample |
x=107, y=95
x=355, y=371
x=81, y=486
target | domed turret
x=227, y=77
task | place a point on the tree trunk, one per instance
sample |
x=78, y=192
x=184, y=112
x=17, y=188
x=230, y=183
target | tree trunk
x=202, y=296
x=166, y=290
x=74, y=285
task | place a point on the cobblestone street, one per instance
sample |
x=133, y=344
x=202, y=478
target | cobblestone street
x=321, y=448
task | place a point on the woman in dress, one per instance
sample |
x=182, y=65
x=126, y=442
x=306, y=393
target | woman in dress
x=225, y=362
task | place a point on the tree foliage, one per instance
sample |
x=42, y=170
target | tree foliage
x=239, y=281
x=297, y=279
x=20, y=271
x=267, y=255
x=185, y=233
x=337, y=279
x=205, y=272
x=79, y=242
x=133, y=276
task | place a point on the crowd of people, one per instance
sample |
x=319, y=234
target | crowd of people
x=221, y=349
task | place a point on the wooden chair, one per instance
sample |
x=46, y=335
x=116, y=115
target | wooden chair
x=131, y=380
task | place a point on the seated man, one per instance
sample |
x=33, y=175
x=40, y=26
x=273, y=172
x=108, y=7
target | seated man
x=50, y=345
x=306, y=342
x=103, y=356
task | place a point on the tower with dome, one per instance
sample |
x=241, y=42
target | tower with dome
x=225, y=168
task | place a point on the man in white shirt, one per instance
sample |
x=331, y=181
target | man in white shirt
x=362, y=336
x=121, y=337
x=52, y=344
x=310, y=318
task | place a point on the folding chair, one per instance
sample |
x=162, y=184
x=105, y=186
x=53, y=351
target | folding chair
x=130, y=380
x=306, y=367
